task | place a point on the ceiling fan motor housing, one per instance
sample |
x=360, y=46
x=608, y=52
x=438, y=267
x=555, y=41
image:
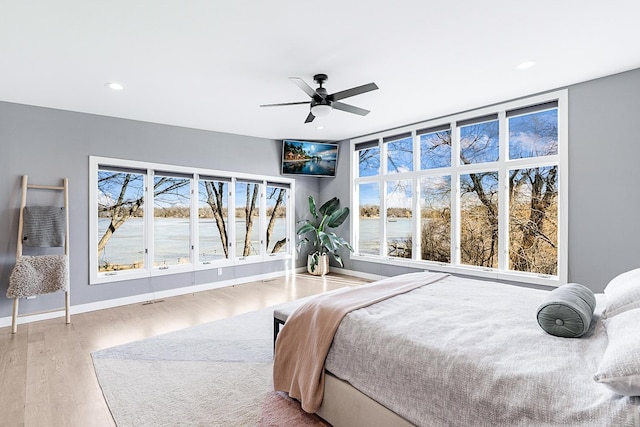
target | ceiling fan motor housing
x=320, y=78
x=321, y=97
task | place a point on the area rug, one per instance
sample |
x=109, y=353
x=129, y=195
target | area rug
x=215, y=374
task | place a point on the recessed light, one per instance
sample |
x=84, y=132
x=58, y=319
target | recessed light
x=114, y=85
x=320, y=127
x=526, y=64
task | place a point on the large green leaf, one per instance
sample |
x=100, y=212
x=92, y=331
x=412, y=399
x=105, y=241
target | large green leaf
x=305, y=228
x=313, y=262
x=312, y=207
x=330, y=206
x=301, y=243
x=344, y=243
x=338, y=217
x=329, y=241
x=339, y=259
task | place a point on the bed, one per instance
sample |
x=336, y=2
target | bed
x=456, y=351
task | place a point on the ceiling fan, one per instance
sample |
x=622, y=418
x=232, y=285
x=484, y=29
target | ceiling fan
x=322, y=103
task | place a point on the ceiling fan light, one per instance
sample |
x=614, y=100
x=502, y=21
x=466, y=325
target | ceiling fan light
x=321, y=110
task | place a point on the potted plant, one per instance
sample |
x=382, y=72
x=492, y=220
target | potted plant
x=330, y=215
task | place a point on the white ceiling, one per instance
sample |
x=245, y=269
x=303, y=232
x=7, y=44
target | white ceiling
x=209, y=64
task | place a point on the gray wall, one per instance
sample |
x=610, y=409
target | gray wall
x=604, y=171
x=49, y=144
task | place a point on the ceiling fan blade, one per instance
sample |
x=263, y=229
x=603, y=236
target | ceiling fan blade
x=350, y=108
x=304, y=86
x=286, y=103
x=310, y=118
x=354, y=91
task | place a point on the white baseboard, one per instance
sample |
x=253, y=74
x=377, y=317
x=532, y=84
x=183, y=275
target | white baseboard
x=347, y=272
x=359, y=274
x=152, y=296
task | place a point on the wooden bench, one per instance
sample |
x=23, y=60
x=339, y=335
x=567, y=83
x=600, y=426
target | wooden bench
x=282, y=312
x=280, y=316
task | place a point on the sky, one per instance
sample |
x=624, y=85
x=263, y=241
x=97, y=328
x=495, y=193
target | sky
x=326, y=151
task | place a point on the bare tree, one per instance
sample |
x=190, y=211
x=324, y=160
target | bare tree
x=130, y=198
x=436, y=218
x=122, y=208
x=281, y=192
x=535, y=229
x=215, y=200
x=399, y=153
x=480, y=244
x=479, y=233
x=250, y=208
x=369, y=159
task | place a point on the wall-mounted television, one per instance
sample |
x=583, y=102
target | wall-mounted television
x=309, y=158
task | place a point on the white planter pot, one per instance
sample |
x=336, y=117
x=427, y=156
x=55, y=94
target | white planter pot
x=323, y=265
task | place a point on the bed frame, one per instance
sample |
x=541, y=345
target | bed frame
x=343, y=406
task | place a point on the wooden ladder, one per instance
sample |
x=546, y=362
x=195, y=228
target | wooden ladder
x=23, y=202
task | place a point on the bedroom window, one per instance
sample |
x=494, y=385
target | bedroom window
x=247, y=219
x=120, y=223
x=399, y=203
x=276, y=238
x=477, y=193
x=435, y=218
x=399, y=153
x=479, y=229
x=479, y=142
x=368, y=158
x=435, y=147
x=171, y=220
x=213, y=219
x=150, y=219
x=533, y=189
x=368, y=224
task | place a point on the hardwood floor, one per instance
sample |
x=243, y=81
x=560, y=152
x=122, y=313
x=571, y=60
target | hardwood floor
x=47, y=376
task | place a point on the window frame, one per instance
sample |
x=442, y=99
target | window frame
x=152, y=173
x=455, y=170
x=149, y=170
x=206, y=265
x=289, y=218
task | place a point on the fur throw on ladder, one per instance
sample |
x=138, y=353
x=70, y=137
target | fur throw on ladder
x=37, y=275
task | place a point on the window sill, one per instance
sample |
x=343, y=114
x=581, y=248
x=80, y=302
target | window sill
x=476, y=272
x=118, y=276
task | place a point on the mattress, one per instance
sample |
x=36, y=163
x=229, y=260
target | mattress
x=469, y=352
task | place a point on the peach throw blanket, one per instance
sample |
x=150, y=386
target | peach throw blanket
x=303, y=343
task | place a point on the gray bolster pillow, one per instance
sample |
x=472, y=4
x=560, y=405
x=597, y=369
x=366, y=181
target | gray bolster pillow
x=567, y=311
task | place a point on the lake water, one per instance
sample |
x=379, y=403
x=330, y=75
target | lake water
x=397, y=230
x=310, y=167
x=126, y=246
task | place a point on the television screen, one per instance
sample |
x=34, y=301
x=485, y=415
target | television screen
x=309, y=158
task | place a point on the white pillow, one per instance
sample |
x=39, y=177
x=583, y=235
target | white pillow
x=623, y=293
x=620, y=365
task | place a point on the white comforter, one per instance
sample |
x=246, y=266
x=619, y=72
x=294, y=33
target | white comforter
x=464, y=352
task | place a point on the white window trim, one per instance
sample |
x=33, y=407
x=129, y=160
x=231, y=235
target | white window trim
x=502, y=167
x=95, y=277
